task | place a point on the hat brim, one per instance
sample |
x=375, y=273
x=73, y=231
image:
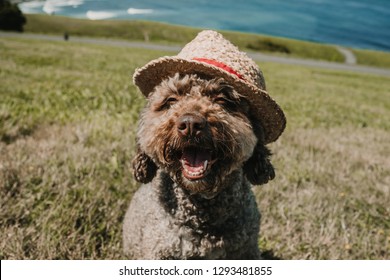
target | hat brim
x=263, y=107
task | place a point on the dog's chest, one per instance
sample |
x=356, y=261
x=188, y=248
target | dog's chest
x=206, y=234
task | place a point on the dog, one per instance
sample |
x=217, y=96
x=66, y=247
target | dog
x=201, y=146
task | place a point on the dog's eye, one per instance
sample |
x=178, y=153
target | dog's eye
x=226, y=102
x=221, y=100
x=170, y=101
x=167, y=103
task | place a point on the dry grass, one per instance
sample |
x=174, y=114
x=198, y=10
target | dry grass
x=330, y=196
x=67, y=119
x=64, y=193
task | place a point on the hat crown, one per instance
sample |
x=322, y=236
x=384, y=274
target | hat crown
x=211, y=45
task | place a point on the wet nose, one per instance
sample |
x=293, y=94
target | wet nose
x=191, y=125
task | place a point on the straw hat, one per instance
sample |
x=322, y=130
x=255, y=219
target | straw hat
x=212, y=55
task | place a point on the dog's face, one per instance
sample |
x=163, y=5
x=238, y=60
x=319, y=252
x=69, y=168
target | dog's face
x=199, y=131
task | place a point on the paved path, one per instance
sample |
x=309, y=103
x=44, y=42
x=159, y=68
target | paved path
x=348, y=66
x=350, y=58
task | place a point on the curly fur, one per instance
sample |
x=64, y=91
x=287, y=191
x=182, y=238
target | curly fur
x=179, y=216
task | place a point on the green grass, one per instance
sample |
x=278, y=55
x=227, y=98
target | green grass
x=174, y=34
x=68, y=115
x=372, y=58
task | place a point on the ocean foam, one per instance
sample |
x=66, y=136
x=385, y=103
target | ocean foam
x=31, y=7
x=50, y=9
x=54, y=6
x=65, y=3
x=32, y=4
x=96, y=15
x=133, y=11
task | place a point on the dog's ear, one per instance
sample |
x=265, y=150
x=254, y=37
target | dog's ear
x=144, y=169
x=258, y=168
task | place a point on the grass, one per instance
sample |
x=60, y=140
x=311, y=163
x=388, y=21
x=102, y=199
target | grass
x=68, y=115
x=174, y=34
x=372, y=58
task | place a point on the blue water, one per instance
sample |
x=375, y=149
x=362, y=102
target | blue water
x=354, y=23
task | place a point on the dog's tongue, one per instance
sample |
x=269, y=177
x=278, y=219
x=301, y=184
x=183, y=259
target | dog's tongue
x=195, y=159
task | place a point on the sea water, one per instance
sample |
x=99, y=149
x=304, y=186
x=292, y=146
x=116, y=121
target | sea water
x=352, y=23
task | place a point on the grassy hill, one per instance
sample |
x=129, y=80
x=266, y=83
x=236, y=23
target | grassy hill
x=174, y=34
x=68, y=116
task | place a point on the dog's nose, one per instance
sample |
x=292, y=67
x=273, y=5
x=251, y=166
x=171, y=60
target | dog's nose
x=191, y=125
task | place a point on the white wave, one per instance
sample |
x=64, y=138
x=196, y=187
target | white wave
x=65, y=3
x=75, y=3
x=32, y=4
x=96, y=15
x=50, y=9
x=31, y=7
x=54, y=6
x=133, y=11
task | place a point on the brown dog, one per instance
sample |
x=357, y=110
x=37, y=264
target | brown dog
x=201, y=146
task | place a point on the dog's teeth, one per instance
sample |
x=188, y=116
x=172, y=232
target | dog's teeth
x=195, y=173
x=205, y=165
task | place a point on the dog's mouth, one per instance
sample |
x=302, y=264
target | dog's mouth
x=196, y=162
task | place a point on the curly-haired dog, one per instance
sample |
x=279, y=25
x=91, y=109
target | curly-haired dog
x=201, y=146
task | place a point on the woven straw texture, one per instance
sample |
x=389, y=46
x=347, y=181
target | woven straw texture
x=243, y=74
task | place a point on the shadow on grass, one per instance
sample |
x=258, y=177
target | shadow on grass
x=270, y=255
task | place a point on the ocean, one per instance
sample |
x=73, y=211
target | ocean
x=361, y=24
